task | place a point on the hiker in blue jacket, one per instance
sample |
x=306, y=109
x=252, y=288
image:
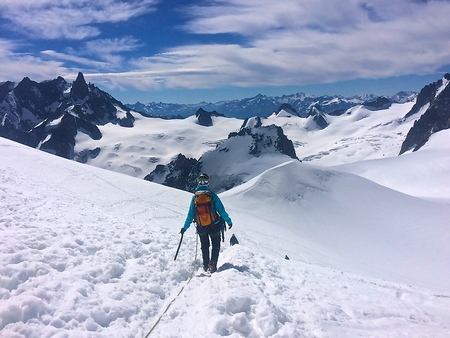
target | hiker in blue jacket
x=211, y=231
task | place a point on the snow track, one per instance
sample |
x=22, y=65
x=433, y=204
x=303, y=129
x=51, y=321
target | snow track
x=254, y=295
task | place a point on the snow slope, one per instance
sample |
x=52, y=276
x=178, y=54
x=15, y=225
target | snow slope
x=360, y=134
x=424, y=173
x=346, y=222
x=86, y=252
x=136, y=151
x=361, y=141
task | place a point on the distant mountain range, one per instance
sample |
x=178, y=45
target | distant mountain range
x=264, y=106
x=71, y=120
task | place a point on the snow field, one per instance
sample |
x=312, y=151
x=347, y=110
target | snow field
x=86, y=252
x=137, y=151
x=343, y=221
x=360, y=134
x=76, y=256
x=426, y=175
x=259, y=296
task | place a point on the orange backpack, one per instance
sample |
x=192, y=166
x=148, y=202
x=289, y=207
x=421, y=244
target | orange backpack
x=205, y=214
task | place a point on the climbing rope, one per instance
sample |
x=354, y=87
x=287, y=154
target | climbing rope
x=178, y=294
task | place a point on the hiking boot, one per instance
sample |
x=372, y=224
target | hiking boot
x=205, y=267
x=212, y=268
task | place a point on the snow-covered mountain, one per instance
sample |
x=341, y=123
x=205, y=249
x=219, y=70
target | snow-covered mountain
x=253, y=146
x=81, y=122
x=264, y=106
x=362, y=133
x=87, y=252
x=50, y=114
x=433, y=107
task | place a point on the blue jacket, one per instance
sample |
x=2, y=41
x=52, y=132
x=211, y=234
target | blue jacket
x=217, y=205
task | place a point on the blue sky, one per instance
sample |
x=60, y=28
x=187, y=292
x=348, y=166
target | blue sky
x=191, y=51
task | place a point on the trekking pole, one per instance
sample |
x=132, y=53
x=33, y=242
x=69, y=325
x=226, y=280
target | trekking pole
x=178, y=247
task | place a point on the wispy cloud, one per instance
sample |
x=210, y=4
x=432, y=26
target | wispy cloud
x=300, y=42
x=69, y=19
x=248, y=42
x=111, y=50
x=15, y=66
x=65, y=20
x=112, y=46
x=79, y=60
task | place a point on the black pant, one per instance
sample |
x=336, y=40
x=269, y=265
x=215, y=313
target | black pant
x=210, y=235
x=205, y=243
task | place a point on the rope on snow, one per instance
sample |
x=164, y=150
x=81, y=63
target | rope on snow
x=178, y=294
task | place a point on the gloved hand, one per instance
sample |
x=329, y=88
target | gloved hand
x=182, y=231
x=230, y=226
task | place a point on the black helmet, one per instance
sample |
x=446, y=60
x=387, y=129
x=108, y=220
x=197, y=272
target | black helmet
x=203, y=179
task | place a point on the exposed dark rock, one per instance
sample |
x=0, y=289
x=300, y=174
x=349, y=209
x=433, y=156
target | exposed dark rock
x=85, y=155
x=434, y=119
x=251, y=122
x=318, y=116
x=180, y=173
x=285, y=145
x=127, y=121
x=35, y=102
x=80, y=89
x=62, y=137
x=5, y=89
x=267, y=137
x=380, y=103
x=204, y=117
x=287, y=108
x=426, y=95
x=48, y=115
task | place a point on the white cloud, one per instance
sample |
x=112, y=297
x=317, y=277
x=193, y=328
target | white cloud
x=112, y=46
x=69, y=19
x=65, y=19
x=290, y=42
x=254, y=18
x=83, y=61
x=301, y=42
x=15, y=66
x=110, y=50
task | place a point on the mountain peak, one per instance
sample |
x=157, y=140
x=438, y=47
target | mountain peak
x=317, y=116
x=435, y=97
x=204, y=117
x=80, y=88
x=80, y=78
x=286, y=110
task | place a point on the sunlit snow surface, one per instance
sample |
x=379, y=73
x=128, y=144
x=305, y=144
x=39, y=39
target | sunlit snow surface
x=352, y=139
x=87, y=252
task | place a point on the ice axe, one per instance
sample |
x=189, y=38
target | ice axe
x=181, y=239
